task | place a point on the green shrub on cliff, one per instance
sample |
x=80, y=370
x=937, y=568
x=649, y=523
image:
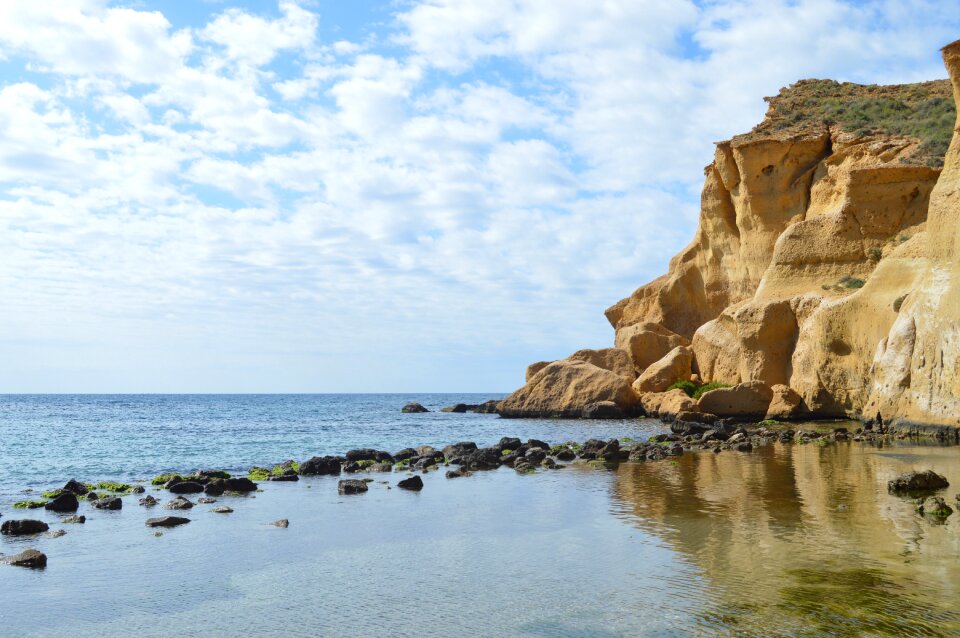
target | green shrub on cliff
x=706, y=387
x=687, y=386
x=694, y=390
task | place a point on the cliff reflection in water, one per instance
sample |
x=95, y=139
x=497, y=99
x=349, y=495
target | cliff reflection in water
x=805, y=540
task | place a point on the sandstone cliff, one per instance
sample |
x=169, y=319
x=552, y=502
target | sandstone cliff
x=824, y=261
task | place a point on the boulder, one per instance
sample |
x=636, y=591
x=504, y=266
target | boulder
x=602, y=410
x=149, y=500
x=108, y=503
x=27, y=558
x=660, y=375
x=363, y=454
x=427, y=450
x=785, y=403
x=414, y=483
x=667, y=405
x=167, y=521
x=203, y=500
x=351, y=486
x=459, y=408
x=22, y=527
x=179, y=503
x=535, y=455
x=285, y=478
x=458, y=450
x=564, y=388
x=239, y=484
x=482, y=459
x=647, y=342
x=282, y=523
x=214, y=487
x=916, y=483
x=222, y=509
x=543, y=445
x=564, y=453
x=320, y=465
x=75, y=487
x=413, y=408
x=750, y=399
x=64, y=502
x=534, y=368
x=457, y=473
x=488, y=407
x=511, y=443
x=405, y=453
x=613, y=359
x=75, y=519
x=592, y=448
x=186, y=487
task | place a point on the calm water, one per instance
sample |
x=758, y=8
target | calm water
x=784, y=541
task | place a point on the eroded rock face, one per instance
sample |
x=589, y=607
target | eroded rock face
x=565, y=388
x=674, y=366
x=826, y=264
x=744, y=399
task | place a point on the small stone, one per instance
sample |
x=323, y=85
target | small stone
x=148, y=501
x=934, y=506
x=351, y=486
x=413, y=408
x=55, y=533
x=206, y=500
x=284, y=523
x=179, y=503
x=75, y=519
x=108, y=503
x=917, y=483
x=137, y=489
x=167, y=521
x=223, y=509
x=27, y=558
x=414, y=483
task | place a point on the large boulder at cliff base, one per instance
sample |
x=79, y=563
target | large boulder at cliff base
x=750, y=399
x=785, y=403
x=667, y=405
x=660, y=375
x=563, y=388
x=603, y=410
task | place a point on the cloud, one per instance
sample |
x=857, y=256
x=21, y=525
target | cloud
x=241, y=201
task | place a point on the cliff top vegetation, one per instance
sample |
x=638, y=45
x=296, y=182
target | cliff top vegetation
x=924, y=111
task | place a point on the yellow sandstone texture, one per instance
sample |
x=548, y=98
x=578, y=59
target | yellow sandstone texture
x=824, y=273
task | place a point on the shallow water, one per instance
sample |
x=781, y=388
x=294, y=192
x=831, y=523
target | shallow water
x=788, y=540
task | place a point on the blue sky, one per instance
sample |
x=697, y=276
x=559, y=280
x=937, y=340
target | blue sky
x=332, y=196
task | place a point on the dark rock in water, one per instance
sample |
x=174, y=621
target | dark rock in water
x=483, y=459
x=149, y=500
x=413, y=408
x=239, y=484
x=76, y=487
x=785, y=437
x=543, y=445
x=65, y=502
x=167, y=521
x=320, y=465
x=405, y=453
x=511, y=443
x=22, y=527
x=352, y=467
x=511, y=458
x=285, y=478
x=206, y=500
x=179, y=503
x=92, y=496
x=459, y=408
x=365, y=454
x=592, y=448
x=55, y=533
x=381, y=467
x=284, y=523
x=602, y=410
x=688, y=427
x=214, y=487
x=351, y=486
x=223, y=509
x=611, y=451
x=27, y=558
x=75, y=519
x=488, y=407
x=534, y=456
x=186, y=487
x=426, y=450
x=458, y=450
x=414, y=483
x=917, y=483
x=137, y=489
x=656, y=453
x=457, y=473
x=565, y=454
x=523, y=466
x=108, y=503
x=743, y=446
x=935, y=507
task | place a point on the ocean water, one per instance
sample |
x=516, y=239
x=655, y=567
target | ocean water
x=788, y=540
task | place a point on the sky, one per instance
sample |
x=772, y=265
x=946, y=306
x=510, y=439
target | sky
x=374, y=196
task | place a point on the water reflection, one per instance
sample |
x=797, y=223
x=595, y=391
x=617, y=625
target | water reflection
x=805, y=540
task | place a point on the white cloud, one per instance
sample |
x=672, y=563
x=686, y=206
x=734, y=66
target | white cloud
x=474, y=182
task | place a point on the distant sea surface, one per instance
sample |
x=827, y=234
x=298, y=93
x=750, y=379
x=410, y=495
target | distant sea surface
x=786, y=540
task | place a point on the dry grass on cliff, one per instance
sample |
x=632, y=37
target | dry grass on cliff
x=923, y=111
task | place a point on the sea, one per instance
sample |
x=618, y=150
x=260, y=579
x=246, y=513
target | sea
x=787, y=540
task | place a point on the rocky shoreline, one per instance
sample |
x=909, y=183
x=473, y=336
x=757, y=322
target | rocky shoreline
x=693, y=433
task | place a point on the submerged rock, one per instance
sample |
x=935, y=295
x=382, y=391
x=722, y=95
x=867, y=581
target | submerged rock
x=27, y=558
x=351, y=486
x=108, y=503
x=239, y=484
x=320, y=465
x=222, y=509
x=149, y=501
x=934, y=506
x=23, y=527
x=75, y=520
x=459, y=408
x=917, y=482
x=413, y=408
x=179, y=503
x=167, y=521
x=284, y=523
x=55, y=533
